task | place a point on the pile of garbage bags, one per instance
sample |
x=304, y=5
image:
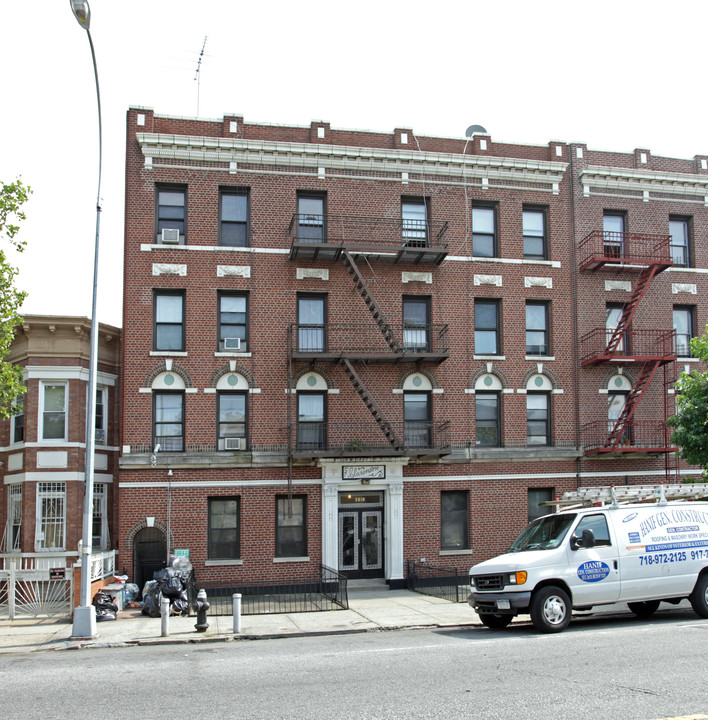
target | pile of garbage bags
x=106, y=608
x=170, y=583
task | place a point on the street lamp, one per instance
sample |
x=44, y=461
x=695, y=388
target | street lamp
x=85, y=615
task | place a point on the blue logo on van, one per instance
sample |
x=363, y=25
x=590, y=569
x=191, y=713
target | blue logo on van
x=593, y=571
x=629, y=518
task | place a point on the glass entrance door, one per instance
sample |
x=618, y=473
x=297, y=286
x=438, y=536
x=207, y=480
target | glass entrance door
x=361, y=535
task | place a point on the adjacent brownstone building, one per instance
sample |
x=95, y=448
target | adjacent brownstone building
x=357, y=349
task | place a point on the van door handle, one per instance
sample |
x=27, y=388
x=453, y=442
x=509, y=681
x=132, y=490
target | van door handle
x=616, y=565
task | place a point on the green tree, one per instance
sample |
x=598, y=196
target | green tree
x=12, y=197
x=690, y=423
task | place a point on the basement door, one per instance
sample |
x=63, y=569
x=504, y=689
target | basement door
x=361, y=534
x=149, y=555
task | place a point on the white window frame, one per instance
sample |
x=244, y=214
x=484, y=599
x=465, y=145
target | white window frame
x=14, y=519
x=50, y=491
x=100, y=510
x=102, y=393
x=42, y=386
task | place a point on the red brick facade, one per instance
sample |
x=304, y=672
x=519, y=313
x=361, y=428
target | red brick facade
x=362, y=180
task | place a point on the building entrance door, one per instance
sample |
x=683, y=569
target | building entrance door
x=361, y=534
x=149, y=555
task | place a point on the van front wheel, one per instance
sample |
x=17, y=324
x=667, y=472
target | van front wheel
x=699, y=596
x=644, y=609
x=550, y=609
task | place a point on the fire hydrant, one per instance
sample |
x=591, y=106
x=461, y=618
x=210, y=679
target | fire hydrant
x=201, y=605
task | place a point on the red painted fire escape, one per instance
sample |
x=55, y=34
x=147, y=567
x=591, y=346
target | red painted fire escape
x=642, y=257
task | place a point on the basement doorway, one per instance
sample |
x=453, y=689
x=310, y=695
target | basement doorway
x=149, y=555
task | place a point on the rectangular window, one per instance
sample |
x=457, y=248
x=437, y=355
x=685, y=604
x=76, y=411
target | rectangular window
x=291, y=526
x=414, y=216
x=171, y=215
x=14, y=519
x=680, y=231
x=18, y=421
x=224, y=541
x=538, y=419
x=613, y=316
x=311, y=313
x=484, y=231
x=613, y=229
x=535, y=238
x=101, y=540
x=168, y=421
x=416, y=419
x=101, y=419
x=454, y=520
x=232, y=428
x=537, y=334
x=51, y=516
x=54, y=406
x=233, y=218
x=683, y=325
x=487, y=419
x=536, y=496
x=416, y=324
x=168, y=333
x=233, y=322
x=311, y=218
x=598, y=525
x=311, y=421
x=486, y=327
x=616, y=403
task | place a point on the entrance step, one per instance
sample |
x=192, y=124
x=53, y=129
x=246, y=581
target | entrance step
x=367, y=584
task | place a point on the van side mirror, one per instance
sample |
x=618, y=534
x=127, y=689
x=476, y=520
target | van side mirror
x=587, y=540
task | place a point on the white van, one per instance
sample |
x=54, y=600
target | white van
x=641, y=554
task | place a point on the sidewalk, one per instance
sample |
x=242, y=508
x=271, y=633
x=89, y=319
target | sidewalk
x=369, y=610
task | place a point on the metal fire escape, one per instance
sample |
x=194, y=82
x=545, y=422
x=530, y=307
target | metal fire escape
x=642, y=256
x=344, y=239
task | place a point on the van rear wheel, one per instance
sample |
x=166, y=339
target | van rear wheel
x=699, y=596
x=550, y=609
x=496, y=621
x=644, y=609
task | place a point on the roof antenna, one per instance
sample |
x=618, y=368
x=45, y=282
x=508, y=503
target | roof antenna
x=197, y=74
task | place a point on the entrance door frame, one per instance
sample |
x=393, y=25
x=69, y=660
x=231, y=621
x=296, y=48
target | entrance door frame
x=360, y=513
x=391, y=484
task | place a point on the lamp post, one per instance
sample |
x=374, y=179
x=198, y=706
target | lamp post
x=85, y=615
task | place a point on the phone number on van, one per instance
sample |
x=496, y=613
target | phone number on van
x=661, y=558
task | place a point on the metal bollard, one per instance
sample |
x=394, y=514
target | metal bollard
x=237, y=612
x=165, y=616
x=201, y=605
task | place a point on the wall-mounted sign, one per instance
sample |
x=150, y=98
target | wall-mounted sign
x=57, y=573
x=181, y=551
x=363, y=472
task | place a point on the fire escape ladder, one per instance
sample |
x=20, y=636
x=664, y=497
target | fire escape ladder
x=370, y=404
x=630, y=307
x=645, y=377
x=376, y=312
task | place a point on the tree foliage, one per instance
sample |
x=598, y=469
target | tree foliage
x=12, y=197
x=690, y=423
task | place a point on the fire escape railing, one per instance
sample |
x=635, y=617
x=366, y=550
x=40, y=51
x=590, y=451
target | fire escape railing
x=602, y=247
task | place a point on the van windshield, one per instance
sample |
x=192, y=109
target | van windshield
x=545, y=533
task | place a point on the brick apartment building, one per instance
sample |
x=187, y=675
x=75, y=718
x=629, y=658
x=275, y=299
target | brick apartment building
x=357, y=349
x=43, y=447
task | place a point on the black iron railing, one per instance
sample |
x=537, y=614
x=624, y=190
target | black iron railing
x=603, y=246
x=357, y=339
x=446, y=583
x=637, y=436
x=327, y=591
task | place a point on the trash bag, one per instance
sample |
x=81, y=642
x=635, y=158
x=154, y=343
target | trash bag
x=151, y=603
x=172, y=587
x=180, y=607
x=104, y=601
x=131, y=592
x=103, y=614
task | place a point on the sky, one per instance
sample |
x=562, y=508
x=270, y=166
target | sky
x=616, y=75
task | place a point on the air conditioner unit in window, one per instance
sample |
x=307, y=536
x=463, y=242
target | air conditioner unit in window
x=234, y=443
x=232, y=343
x=170, y=236
x=100, y=435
